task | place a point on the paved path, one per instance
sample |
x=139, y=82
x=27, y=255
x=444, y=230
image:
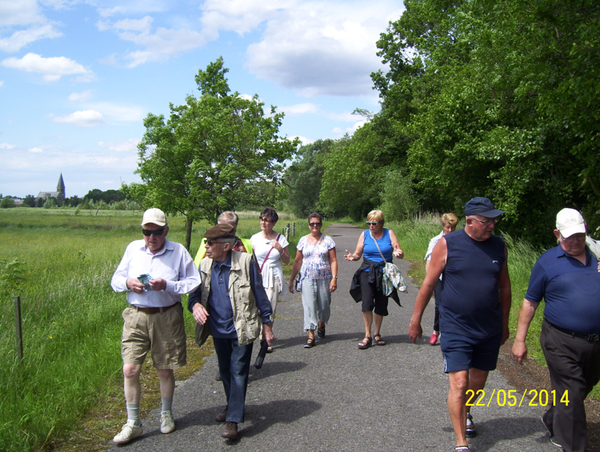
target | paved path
x=335, y=397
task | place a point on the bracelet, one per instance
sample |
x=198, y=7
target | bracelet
x=335, y=277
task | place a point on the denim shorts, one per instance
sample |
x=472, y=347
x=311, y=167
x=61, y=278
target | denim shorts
x=463, y=353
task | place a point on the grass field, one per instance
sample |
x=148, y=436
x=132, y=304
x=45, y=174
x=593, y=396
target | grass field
x=69, y=383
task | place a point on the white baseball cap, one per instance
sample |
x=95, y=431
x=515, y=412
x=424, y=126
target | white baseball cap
x=569, y=222
x=154, y=216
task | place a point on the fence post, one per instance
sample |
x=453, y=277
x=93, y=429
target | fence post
x=18, y=328
x=287, y=231
x=294, y=229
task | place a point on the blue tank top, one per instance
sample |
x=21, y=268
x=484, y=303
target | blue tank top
x=470, y=302
x=385, y=244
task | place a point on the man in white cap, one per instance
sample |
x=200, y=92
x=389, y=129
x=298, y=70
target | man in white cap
x=155, y=273
x=567, y=278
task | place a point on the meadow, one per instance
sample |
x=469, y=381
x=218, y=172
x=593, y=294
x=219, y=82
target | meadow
x=69, y=381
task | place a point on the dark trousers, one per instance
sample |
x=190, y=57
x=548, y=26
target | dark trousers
x=574, y=366
x=234, y=368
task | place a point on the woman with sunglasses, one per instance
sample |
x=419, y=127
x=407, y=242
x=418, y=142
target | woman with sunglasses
x=376, y=243
x=270, y=249
x=317, y=263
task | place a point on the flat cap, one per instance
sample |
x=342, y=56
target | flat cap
x=220, y=231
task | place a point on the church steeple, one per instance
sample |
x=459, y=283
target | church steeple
x=60, y=188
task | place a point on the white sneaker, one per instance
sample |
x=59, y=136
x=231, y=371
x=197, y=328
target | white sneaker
x=129, y=431
x=167, y=423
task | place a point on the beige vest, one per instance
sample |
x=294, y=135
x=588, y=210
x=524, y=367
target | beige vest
x=246, y=318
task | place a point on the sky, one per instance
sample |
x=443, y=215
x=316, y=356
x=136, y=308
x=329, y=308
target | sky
x=78, y=77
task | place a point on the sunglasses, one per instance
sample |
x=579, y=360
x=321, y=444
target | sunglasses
x=213, y=242
x=313, y=225
x=265, y=220
x=155, y=233
x=372, y=223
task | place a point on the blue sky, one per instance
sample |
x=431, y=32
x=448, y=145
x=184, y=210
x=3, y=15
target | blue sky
x=77, y=77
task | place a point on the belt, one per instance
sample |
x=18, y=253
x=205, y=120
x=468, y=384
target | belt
x=587, y=337
x=153, y=310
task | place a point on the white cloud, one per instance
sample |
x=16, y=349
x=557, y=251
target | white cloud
x=81, y=97
x=323, y=48
x=129, y=145
x=53, y=68
x=21, y=12
x=21, y=38
x=120, y=113
x=36, y=150
x=87, y=118
x=6, y=146
x=300, y=109
x=1, y=83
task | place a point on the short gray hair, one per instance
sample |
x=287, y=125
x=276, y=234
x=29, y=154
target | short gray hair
x=228, y=217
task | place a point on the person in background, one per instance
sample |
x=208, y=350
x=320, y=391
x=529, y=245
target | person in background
x=242, y=245
x=449, y=221
x=231, y=305
x=367, y=283
x=474, y=308
x=271, y=249
x=155, y=273
x=317, y=263
x=568, y=279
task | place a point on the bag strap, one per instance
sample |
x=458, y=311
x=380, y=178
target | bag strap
x=267, y=257
x=377, y=245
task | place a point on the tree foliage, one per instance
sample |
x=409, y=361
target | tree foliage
x=498, y=99
x=210, y=152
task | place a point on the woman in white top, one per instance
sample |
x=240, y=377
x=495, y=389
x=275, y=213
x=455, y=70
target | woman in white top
x=270, y=249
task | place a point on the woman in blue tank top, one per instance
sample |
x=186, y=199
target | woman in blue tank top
x=374, y=245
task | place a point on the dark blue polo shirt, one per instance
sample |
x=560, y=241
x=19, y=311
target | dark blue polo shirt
x=571, y=290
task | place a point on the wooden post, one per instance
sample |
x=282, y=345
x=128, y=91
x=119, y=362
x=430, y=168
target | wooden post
x=287, y=232
x=294, y=229
x=18, y=328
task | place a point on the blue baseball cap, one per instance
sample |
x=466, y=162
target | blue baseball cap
x=482, y=206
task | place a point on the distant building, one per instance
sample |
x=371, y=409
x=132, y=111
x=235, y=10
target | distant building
x=59, y=194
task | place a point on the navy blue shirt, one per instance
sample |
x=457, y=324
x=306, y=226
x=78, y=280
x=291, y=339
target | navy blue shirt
x=570, y=289
x=470, y=300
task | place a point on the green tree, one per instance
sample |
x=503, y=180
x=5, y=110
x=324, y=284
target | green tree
x=497, y=99
x=7, y=202
x=303, y=177
x=204, y=157
x=29, y=201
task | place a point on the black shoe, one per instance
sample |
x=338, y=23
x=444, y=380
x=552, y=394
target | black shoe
x=222, y=416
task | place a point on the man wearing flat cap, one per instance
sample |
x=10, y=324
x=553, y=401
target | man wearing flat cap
x=476, y=297
x=155, y=273
x=231, y=304
x=567, y=278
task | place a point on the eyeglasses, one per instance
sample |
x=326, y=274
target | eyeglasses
x=484, y=222
x=265, y=220
x=572, y=238
x=314, y=225
x=372, y=223
x=155, y=233
x=213, y=242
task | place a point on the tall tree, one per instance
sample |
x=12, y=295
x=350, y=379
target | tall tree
x=202, y=160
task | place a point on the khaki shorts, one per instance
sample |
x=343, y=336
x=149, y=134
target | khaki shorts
x=162, y=333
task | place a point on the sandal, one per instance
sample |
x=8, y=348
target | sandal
x=365, y=343
x=310, y=342
x=378, y=341
x=321, y=331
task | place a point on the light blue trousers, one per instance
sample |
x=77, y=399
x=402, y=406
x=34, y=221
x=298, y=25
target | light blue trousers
x=316, y=300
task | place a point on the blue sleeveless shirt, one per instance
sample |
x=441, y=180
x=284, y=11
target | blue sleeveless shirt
x=470, y=301
x=385, y=244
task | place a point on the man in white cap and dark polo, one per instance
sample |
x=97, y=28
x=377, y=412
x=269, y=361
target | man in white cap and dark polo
x=567, y=278
x=155, y=273
x=476, y=297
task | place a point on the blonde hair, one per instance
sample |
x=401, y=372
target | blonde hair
x=375, y=215
x=449, y=218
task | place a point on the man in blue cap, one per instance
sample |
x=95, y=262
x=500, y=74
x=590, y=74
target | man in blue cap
x=476, y=297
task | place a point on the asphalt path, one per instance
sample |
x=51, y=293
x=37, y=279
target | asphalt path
x=335, y=397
